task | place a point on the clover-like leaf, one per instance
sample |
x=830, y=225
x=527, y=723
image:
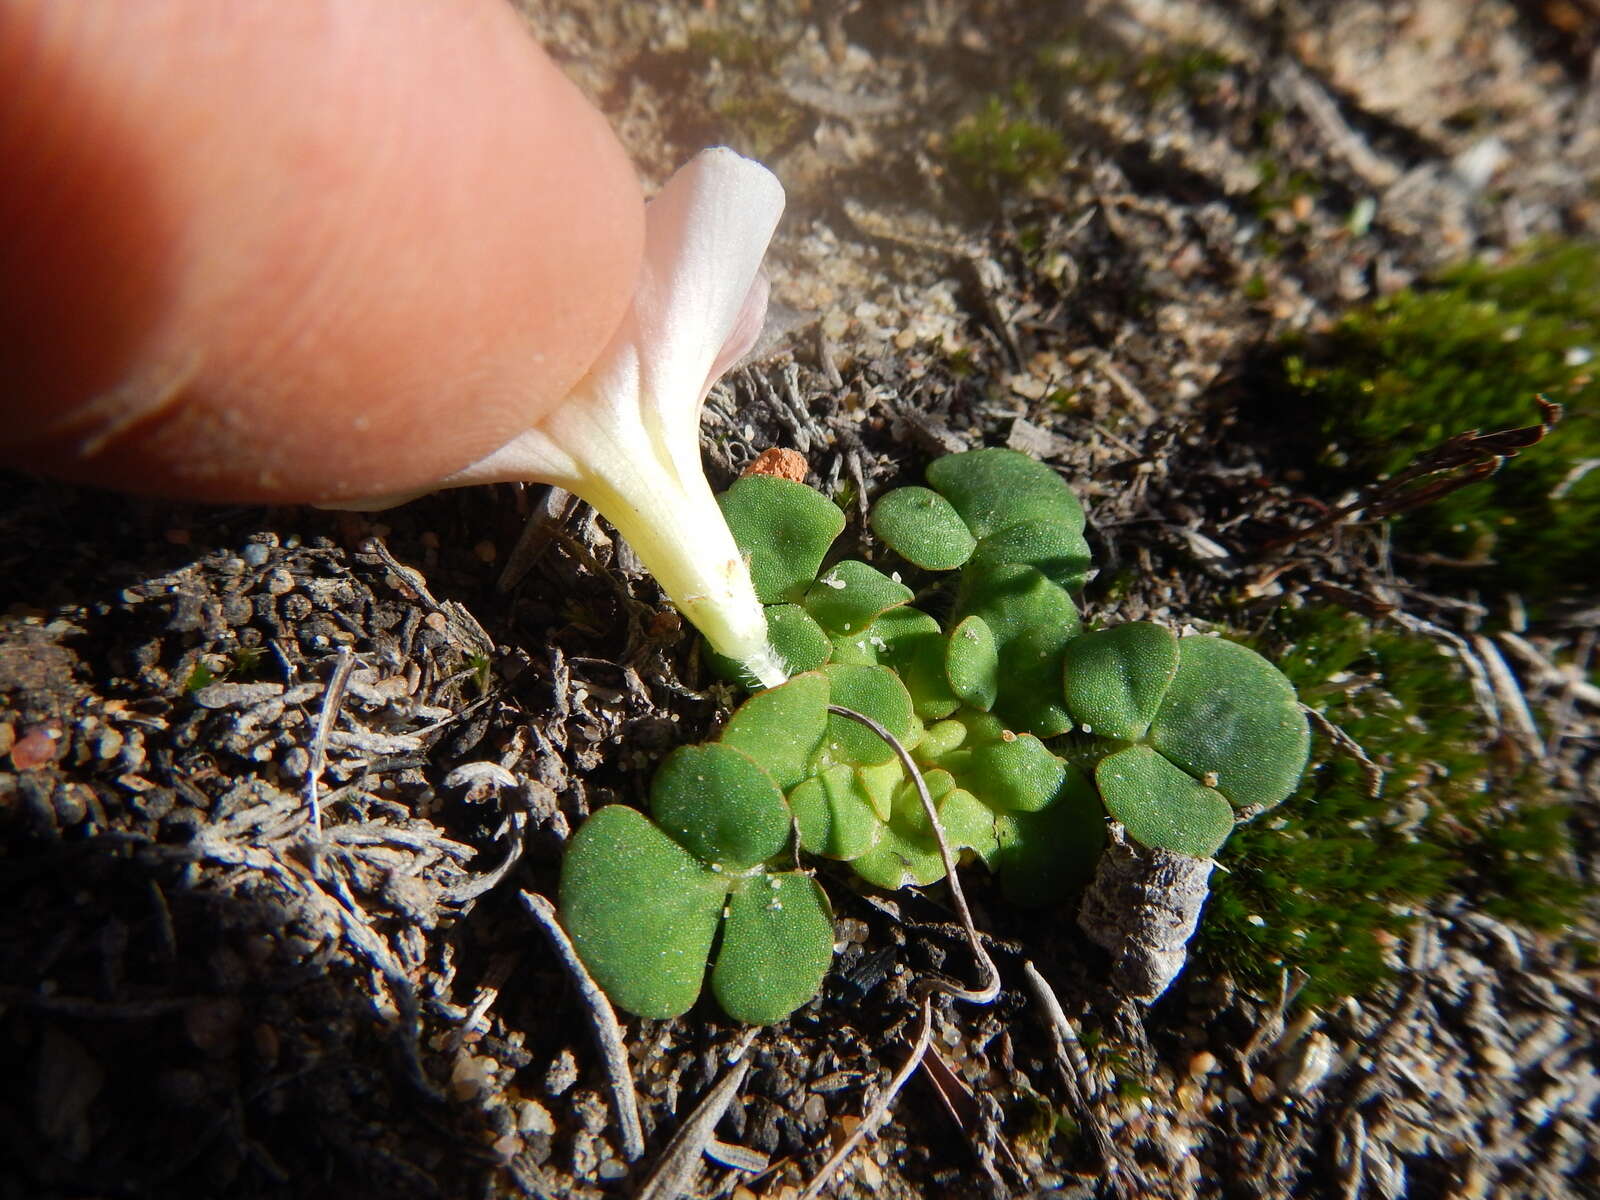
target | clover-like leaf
x=1045, y=855
x=1162, y=806
x=1059, y=551
x=993, y=489
x=847, y=596
x=1032, y=620
x=878, y=693
x=1116, y=678
x=641, y=910
x=720, y=805
x=1016, y=773
x=784, y=528
x=835, y=813
x=1232, y=720
x=782, y=728
x=922, y=527
x=776, y=947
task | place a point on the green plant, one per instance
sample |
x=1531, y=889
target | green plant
x=1023, y=733
x=645, y=901
x=999, y=148
x=1339, y=872
x=1469, y=352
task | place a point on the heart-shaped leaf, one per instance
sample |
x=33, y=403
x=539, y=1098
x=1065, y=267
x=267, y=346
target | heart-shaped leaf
x=1162, y=806
x=1231, y=719
x=1116, y=678
x=784, y=528
x=641, y=910
x=994, y=488
x=776, y=947
x=849, y=594
x=720, y=805
x=922, y=527
x=782, y=728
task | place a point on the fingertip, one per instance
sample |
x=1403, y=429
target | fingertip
x=400, y=235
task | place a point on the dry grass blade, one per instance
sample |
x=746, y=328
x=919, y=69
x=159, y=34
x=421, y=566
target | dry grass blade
x=674, y=1172
x=1371, y=770
x=1074, y=1069
x=608, y=1034
x=332, y=699
x=1458, y=461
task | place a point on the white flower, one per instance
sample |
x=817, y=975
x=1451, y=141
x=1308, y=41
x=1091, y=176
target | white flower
x=627, y=439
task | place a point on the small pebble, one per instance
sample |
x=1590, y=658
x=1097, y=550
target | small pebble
x=533, y=1117
x=256, y=554
x=561, y=1075
x=38, y=745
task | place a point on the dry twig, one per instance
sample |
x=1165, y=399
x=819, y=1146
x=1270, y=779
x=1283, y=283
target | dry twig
x=674, y=1171
x=608, y=1034
x=984, y=995
x=332, y=699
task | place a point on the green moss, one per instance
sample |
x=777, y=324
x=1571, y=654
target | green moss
x=1079, y=58
x=750, y=113
x=999, y=148
x=733, y=47
x=1469, y=352
x=762, y=123
x=1325, y=881
x=1183, y=70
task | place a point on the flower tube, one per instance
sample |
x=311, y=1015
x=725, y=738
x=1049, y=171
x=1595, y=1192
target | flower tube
x=627, y=438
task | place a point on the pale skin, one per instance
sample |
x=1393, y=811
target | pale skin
x=294, y=250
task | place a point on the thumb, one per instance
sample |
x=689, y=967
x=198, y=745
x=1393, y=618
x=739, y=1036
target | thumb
x=294, y=249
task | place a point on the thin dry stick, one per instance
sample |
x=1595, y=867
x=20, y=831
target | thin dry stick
x=675, y=1171
x=991, y=987
x=984, y=995
x=607, y=1033
x=1371, y=770
x=1066, y=1033
x=1081, y=1086
x=879, y=1110
x=332, y=699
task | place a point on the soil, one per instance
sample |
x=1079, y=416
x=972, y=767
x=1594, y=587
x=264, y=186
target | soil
x=202, y=994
